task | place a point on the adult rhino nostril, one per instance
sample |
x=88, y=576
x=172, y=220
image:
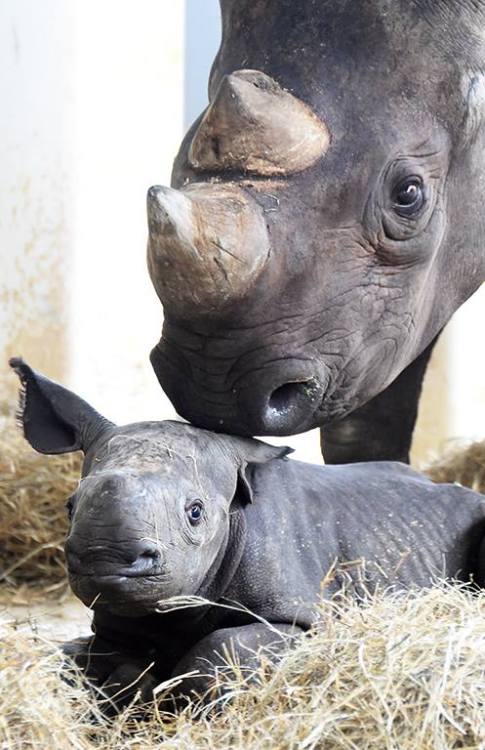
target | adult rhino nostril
x=294, y=395
x=290, y=406
x=287, y=395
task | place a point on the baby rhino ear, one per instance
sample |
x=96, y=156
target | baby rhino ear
x=250, y=452
x=53, y=418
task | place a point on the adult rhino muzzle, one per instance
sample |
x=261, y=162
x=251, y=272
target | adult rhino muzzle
x=248, y=398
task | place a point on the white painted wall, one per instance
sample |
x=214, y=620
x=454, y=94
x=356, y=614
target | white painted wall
x=129, y=83
x=95, y=97
x=37, y=176
x=202, y=37
x=91, y=116
x=466, y=362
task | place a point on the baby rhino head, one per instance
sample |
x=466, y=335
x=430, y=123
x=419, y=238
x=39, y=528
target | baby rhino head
x=155, y=513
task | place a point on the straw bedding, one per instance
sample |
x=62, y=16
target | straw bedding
x=464, y=464
x=400, y=673
x=33, y=522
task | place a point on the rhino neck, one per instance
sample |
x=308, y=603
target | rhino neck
x=224, y=567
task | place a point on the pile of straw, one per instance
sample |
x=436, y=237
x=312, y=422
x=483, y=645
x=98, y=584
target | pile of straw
x=33, y=520
x=404, y=673
x=462, y=464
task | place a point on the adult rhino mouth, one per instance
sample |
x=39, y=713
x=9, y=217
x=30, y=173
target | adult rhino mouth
x=271, y=400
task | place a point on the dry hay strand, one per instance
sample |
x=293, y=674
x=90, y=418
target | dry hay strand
x=398, y=673
x=37, y=708
x=463, y=464
x=33, y=521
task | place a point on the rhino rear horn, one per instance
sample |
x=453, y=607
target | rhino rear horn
x=256, y=126
x=54, y=419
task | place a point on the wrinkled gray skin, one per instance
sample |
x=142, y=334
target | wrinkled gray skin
x=270, y=533
x=354, y=289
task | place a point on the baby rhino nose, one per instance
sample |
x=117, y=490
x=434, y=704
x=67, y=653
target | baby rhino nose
x=143, y=556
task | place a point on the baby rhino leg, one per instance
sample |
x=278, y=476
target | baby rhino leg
x=244, y=646
x=116, y=677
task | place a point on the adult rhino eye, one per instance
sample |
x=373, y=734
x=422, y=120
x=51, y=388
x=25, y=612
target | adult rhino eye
x=408, y=197
x=195, y=511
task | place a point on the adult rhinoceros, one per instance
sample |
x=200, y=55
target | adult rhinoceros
x=326, y=218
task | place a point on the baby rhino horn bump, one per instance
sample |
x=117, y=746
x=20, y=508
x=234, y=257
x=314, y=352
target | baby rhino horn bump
x=207, y=244
x=256, y=126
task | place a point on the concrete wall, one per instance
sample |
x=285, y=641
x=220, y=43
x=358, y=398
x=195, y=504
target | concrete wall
x=37, y=178
x=129, y=82
x=91, y=115
x=453, y=402
x=95, y=99
x=202, y=37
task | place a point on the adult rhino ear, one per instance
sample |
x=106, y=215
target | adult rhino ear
x=250, y=452
x=54, y=419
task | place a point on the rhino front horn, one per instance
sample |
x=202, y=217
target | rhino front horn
x=207, y=244
x=255, y=126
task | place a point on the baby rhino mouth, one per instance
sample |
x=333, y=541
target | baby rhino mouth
x=128, y=578
x=125, y=595
x=141, y=558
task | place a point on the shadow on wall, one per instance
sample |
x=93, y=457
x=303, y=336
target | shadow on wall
x=202, y=37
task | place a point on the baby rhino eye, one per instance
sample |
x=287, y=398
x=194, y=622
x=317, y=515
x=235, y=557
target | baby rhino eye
x=195, y=511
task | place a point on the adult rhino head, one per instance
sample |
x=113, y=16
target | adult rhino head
x=325, y=221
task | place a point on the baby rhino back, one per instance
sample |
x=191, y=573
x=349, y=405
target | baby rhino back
x=377, y=524
x=408, y=530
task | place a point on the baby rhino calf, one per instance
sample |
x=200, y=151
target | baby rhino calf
x=165, y=511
